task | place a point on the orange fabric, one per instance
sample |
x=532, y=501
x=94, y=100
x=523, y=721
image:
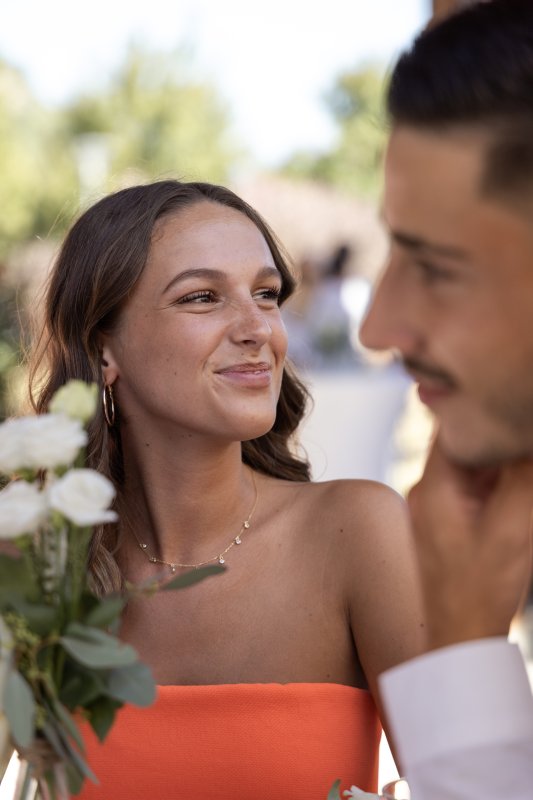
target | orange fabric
x=238, y=742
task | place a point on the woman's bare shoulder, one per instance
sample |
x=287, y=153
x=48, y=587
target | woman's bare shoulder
x=354, y=511
x=353, y=499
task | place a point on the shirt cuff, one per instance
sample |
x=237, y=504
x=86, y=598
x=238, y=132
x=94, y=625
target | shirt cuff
x=468, y=695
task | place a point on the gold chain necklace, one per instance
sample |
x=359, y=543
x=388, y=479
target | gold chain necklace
x=174, y=565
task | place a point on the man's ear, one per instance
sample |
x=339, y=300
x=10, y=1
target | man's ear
x=108, y=362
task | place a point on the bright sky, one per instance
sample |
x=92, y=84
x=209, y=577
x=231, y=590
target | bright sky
x=271, y=59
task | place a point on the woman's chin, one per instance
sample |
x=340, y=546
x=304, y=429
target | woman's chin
x=255, y=429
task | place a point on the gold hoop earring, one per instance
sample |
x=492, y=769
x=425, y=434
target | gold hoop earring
x=108, y=404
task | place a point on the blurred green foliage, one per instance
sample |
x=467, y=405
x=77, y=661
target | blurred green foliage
x=156, y=121
x=152, y=120
x=354, y=162
x=37, y=173
x=9, y=344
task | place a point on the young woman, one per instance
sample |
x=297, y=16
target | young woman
x=168, y=295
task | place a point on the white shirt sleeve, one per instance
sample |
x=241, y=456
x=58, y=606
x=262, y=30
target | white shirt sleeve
x=462, y=722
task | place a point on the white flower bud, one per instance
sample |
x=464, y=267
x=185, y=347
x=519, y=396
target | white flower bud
x=76, y=399
x=41, y=442
x=23, y=508
x=83, y=496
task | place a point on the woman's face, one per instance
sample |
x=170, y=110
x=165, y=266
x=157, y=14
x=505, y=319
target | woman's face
x=200, y=345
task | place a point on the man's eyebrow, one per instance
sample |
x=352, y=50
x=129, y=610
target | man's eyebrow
x=216, y=275
x=417, y=243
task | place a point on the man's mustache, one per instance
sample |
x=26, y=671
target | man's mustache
x=422, y=370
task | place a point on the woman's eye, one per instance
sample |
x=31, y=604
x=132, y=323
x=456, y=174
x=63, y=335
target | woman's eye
x=272, y=293
x=203, y=296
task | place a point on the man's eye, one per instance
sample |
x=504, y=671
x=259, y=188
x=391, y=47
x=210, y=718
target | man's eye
x=199, y=297
x=432, y=273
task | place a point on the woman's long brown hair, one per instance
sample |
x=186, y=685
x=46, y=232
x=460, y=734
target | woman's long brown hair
x=99, y=264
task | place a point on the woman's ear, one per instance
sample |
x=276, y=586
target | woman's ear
x=108, y=362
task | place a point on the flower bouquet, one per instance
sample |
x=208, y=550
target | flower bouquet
x=60, y=657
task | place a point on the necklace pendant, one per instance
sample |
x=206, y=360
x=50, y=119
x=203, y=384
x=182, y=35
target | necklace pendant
x=238, y=540
x=221, y=560
x=153, y=559
x=172, y=567
x=143, y=546
x=246, y=524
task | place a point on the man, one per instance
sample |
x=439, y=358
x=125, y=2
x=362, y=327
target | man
x=456, y=302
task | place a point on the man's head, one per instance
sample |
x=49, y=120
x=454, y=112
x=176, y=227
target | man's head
x=456, y=298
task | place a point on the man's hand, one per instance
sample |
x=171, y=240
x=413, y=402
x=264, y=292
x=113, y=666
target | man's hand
x=473, y=535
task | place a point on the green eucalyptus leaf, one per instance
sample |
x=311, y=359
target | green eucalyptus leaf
x=75, y=779
x=81, y=688
x=19, y=708
x=106, y=612
x=98, y=655
x=63, y=747
x=96, y=649
x=41, y=618
x=65, y=718
x=133, y=684
x=334, y=791
x=102, y=715
x=16, y=578
x=80, y=763
x=50, y=733
x=192, y=577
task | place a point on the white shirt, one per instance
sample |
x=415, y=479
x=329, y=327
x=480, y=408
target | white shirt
x=462, y=721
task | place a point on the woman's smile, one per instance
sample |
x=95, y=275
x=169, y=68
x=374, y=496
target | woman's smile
x=248, y=374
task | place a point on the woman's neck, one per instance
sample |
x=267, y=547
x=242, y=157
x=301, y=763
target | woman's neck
x=185, y=501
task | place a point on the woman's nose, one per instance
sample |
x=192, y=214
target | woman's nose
x=250, y=324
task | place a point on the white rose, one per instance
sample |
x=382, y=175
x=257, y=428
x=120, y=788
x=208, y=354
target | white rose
x=41, y=442
x=76, y=399
x=23, y=508
x=84, y=497
x=10, y=446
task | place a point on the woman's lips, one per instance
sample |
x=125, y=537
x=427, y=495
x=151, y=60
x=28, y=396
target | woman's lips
x=252, y=375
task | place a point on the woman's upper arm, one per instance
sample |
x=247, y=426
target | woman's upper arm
x=382, y=584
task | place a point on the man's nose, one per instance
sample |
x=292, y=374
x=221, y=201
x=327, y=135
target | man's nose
x=387, y=324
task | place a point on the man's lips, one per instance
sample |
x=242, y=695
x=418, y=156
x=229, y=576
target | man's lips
x=432, y=384
x=430, y=393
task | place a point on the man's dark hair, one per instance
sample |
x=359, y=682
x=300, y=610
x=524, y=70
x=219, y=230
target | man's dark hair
x=474, y=69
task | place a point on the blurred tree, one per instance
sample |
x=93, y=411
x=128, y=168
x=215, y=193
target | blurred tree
x=354, y=162
x=153, y=120
x=38, y=177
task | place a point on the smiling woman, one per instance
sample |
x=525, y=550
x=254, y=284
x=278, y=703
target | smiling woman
x=168, y=295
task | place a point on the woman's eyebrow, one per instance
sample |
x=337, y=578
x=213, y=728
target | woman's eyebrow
x=200, y=272
x=217, y=275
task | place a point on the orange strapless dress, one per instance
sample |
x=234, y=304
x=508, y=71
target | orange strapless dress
x=238, y=742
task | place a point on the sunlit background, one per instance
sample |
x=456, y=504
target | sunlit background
x=282, y=101
x=268, y=64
